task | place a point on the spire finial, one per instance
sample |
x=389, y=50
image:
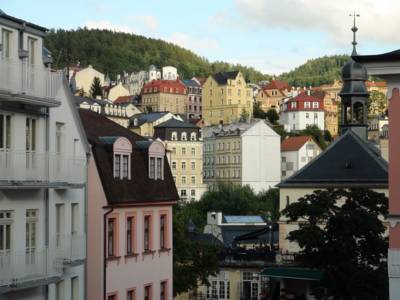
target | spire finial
x=354, y=29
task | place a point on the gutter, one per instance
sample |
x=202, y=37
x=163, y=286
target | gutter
x=105, y=252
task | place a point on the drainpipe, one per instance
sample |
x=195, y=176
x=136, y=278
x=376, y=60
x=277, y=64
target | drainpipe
x=105, y=252
x=46, y=194
x=85, y=229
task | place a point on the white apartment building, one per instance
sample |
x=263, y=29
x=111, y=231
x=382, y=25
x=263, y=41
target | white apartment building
x=42, y=172
x=242, y=153
x=296, y=152
x=169, y=73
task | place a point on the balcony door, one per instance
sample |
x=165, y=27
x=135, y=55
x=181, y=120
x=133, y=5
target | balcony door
x=6, y=219
x=30, y=236
x=5, y=144
x=31, y=158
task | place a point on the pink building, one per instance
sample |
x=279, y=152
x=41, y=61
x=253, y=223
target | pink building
x=130, y=196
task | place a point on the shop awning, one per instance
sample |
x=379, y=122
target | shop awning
x=292, y=273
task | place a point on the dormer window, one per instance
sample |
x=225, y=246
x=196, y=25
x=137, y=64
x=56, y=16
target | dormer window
x=174, y=136
x=122, y=149
x=156, y=161
x=193, y=136
x=184, y=136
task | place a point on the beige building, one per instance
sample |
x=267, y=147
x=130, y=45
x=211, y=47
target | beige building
x=242, y=153
x=185, y=146
x=164, y=95
x=272, y=94
x=226, y=98
x=81, y=79
x=117, y=91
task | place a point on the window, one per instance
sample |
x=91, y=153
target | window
x=75, y=288
x=31, y=50
x=59, y=137
x=173, y=165
x=130, y=295
x=60, y=217
x=193, y=136
x=111, y=237
x=5, y=131
x=130, y=232
x=192, y=193
x=293, y=104
x=193, y=180
x=6, y=219
x=183, y=180
x=174, y=136
x=173, y=151
x=238, y=92
x=159, y=168
x=152, y=173
x=30, y=235
x=60, y=286
x=74, y=218
x=222, y=289
x=117, y=166
x=283, y=158
x=6, y=43
x=307, y=115
x=163, y=231
x=183, y=193
x=147, y=292
x=283, y=173
x=183, y=151
x=183, y=164
x=30, y=141
x=184, y=136
x=147, y=233
x=214, y=294
x=163, y=290
x=125, y=166
x=307, y=104
x=315, y=104
x=193, y=152
x=193, y=165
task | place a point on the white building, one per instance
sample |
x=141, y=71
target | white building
x=81, y=79
x=42, y=173
x=242, y=153
x=301, y=111
x=154, y=73
x=169, y=73
x=296, y=152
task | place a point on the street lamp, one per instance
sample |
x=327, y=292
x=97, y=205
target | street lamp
x=270, y=236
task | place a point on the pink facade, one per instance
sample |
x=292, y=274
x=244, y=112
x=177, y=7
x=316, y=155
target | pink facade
x=128, y=272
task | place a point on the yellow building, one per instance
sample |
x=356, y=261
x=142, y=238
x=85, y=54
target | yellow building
x=81, y=79
x=272, y=94
x=226, y=98
x=185, y=146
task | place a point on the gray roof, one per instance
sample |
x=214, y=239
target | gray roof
x=385, y=57
x=190, y=83
x=231, y=233
x=21, y=22
x=91, y=101
x=222, y=77
x=348, y=162
x=174, y=123
x=243, y=219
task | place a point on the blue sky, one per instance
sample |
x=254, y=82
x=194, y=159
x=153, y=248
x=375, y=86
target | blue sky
x=273, y=36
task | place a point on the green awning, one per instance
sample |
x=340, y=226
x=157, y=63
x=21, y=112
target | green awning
x=292, y=273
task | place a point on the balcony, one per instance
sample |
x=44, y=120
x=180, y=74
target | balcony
x=31, y=168
x=29, y=84
x=35, y=267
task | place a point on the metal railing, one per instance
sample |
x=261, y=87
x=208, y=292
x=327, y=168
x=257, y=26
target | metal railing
x=32, y=166
x=20, y=77
x=38, y=265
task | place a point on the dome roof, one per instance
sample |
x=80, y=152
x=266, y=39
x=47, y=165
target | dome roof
x=354, y=71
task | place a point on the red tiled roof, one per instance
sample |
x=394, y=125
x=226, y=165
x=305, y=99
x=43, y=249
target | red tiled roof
x=164, y=86
x=201, y=80
x=376, y=83
x=294, y=143
x=277, y=85
x=123, y=99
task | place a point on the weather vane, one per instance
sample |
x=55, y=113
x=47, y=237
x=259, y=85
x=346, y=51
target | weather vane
x=354, y=29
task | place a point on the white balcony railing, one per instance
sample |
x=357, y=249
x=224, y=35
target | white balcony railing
x=36, y=266
x=20, y=77
x=33, y=166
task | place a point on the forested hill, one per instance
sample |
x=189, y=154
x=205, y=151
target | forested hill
x=113, y=52
x=316, y=71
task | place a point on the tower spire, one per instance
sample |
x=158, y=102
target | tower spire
x=354, y=29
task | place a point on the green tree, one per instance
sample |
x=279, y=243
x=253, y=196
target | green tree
x=244, y=116
x=327, y=136
x=342, y=235
x=95, y=89
x=258, y=112
x=316, y=133
x=272, y=115
x=377, y=103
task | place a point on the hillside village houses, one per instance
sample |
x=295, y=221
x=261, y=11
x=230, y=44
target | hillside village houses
x=130, y=196
x=296, y=152
x=43, y=182
x=184, y=143
x=194, y=100
x=246, y=153
x=272, y=94
x=226, y=98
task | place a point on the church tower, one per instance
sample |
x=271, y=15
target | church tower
x=354, y=95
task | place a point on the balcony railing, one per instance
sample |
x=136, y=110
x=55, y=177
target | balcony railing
x=39, y=266
x=20, y=77
x=39, y=167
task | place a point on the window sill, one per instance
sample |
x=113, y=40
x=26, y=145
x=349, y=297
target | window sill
x=164, y=250
x=148, y=252
x=131, y=255
x=112, y=258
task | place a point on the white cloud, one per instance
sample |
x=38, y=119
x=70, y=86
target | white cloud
x=379, y=20
x=149, y=21
x=110, y=26
x=192, y=43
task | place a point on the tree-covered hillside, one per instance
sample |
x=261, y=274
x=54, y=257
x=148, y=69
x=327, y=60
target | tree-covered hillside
x=316, y=71
x=113, y=52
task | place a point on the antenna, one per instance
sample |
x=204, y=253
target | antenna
x=354, y=29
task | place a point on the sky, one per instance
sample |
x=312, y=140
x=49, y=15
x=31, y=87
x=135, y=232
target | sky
x=273, y=36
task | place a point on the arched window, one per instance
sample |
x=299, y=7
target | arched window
x=183, y=136
x=174, y=136
x=358, y=113
x=193, y=136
